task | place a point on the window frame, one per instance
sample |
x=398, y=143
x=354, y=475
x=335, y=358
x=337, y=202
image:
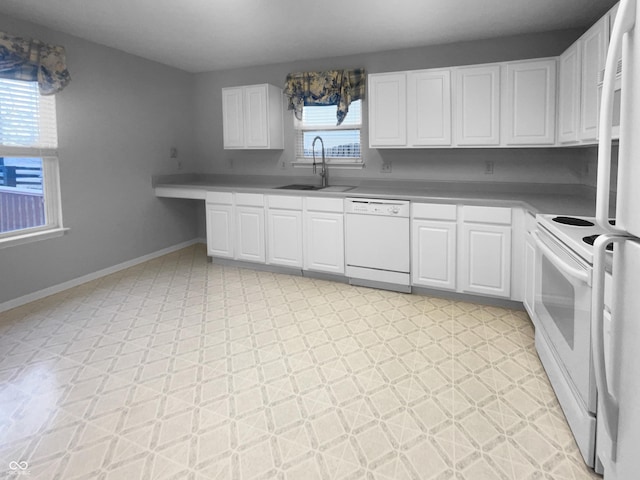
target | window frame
x=300, y=129
x=51, y=193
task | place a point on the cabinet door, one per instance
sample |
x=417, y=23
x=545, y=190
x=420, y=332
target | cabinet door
x=220, y=230
x=433, y=258
x=486, y=259
x=529, y=275
x=232, y=117
x=250, y=235
x=256, y=124
x=388, y=110
x=569, y=94
x=594, y=44
x=530, y=106
x=478, y=105
x=429, y=108
x=324, y=242
x=284, y=245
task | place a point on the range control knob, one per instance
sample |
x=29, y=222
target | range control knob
x=395, y=210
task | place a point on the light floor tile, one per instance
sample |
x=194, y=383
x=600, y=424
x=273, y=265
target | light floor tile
x=178, y=368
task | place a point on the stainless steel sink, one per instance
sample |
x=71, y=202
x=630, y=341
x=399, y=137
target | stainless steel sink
x=337, y=188
x=333, y=188
x=296, y=186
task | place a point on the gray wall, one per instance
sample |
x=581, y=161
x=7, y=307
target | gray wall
x=511, y=165
x=116, y=122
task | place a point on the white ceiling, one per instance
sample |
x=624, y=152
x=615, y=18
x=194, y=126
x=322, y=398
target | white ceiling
x=205, y=35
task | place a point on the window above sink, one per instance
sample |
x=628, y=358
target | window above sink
x=342, y=142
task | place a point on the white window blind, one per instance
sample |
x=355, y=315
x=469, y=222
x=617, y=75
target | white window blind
x=27, y=119
x=341, y=143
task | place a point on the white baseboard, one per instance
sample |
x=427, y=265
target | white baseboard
x=17, y=302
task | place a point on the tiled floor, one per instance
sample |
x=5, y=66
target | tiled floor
x=182, y=369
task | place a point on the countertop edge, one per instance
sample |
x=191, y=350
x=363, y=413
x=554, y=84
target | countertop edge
x=535, y=203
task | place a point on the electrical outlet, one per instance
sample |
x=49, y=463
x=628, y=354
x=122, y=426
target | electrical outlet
x=488, y=167
x=173, y=152
x=284, y=165
x=230, y=163
x=179, y=164
x=386, y=167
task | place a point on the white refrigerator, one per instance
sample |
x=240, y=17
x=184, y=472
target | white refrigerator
x=616, y=345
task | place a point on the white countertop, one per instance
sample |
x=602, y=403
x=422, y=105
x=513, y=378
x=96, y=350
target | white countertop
x=537, y=198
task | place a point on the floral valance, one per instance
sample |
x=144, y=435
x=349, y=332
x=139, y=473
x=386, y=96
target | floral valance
x=31, y=60
x=332, y=87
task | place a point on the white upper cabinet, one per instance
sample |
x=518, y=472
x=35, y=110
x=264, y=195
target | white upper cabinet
x=569, y=94
x=252, y=117
x=477, y=99
x=233, y=117
x=410, y=109
x=594, y=45
x=388, y=110
x=429, y=108
x=529, y=102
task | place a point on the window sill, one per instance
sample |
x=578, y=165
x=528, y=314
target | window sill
x=32, y=237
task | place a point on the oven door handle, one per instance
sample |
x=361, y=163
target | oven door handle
x=578, y=273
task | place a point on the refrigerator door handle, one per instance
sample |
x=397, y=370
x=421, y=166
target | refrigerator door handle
x=607, y=401
x=580, y=274
x=625, y=21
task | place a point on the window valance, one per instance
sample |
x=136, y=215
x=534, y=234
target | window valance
x=331, y=87
x=31, y=60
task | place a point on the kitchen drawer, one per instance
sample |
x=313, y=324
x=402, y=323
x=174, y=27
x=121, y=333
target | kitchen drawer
x=325, y=204
x=497, y=215
x=225, y=198
x=250, y=199
x=434, y=211
x=285, y=202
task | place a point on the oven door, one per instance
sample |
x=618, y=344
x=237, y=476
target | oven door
x=563, y=310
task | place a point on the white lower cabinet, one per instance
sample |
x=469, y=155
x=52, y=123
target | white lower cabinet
x=220, y=224
x=250, y=234
x=324, y=235
x=457, y=248
x=284, y=231
x=485, y=251
x=249, y=227
x=433, y=240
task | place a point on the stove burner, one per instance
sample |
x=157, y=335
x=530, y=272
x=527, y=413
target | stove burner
x=592, y=238
x=576, y=222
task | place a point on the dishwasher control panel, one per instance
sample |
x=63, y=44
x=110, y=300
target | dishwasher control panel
x=376, y=206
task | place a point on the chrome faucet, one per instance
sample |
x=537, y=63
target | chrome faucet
x=324, y=172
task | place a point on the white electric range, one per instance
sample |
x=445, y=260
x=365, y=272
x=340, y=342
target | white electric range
x=562, y=317
x=576, y=233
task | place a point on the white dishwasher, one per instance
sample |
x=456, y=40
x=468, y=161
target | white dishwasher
x=377, y=243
